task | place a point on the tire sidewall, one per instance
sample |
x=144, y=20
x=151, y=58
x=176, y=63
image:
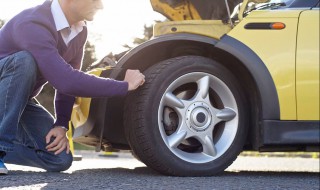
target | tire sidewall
x=157, y=87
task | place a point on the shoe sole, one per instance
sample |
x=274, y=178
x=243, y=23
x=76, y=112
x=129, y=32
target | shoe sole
x=3, y=171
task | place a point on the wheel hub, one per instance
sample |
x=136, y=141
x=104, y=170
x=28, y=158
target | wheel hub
x=198, y=116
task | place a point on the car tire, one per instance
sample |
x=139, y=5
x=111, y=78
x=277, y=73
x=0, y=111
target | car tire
x=188, y=119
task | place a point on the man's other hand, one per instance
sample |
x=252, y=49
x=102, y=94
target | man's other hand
x=134, y=78
x=60, y=141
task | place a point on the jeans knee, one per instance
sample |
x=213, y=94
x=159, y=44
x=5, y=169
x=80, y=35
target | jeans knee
x=67, y=162
x=25, y=64
x=63, y=162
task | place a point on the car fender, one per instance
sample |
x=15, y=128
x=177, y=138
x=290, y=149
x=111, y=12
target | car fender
x=154, y=51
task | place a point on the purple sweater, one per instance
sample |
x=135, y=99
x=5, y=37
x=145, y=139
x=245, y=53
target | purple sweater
x=34, y=30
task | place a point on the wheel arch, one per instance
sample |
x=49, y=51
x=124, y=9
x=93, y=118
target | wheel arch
x=233, y=54
x=165, y=47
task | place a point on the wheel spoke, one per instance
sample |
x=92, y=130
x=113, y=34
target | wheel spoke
x=209, y=147
x=226, y=114
x=172, y=101
x=203, y=87
x=176, y=138
x=188, y=117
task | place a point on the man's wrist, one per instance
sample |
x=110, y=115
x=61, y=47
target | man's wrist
x=63, y=127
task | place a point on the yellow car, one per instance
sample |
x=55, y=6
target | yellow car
x=220, y=79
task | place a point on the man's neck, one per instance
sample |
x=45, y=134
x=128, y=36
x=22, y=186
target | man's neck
x=67, y=12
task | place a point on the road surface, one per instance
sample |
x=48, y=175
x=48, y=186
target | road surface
x=122, y=171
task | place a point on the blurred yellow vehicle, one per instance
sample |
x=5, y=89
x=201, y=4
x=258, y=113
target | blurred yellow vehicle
x=221, y=77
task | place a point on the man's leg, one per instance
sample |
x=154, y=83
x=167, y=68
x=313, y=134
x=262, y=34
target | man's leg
x=23, y=128
x=30, y=144
x=18, y=74
x=17, y=78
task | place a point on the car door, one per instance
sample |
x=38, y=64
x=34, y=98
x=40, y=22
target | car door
x=307, y=65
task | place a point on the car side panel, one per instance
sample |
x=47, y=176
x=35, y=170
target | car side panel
x=308, y=66
x=261, y=76
x=277, y=49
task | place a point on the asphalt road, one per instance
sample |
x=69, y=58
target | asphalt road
x=121, y=171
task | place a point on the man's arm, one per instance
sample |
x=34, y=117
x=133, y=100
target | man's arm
x=63, y=108
x=41, y=44
x=64, y=103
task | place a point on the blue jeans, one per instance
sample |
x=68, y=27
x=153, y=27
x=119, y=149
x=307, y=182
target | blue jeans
x=24, y=123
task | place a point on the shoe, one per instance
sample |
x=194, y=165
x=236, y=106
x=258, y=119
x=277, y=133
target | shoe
x=3, y=169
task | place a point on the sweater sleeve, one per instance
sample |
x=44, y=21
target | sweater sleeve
x=40, y=42
x=63, y=108
x=64, y=103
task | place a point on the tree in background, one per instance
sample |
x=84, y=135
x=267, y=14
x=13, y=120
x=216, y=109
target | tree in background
x=148, y=33
x=89, y=56
x=1, y=23
x=111, y=59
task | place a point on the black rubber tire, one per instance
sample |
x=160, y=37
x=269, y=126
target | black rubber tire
x=141, y=118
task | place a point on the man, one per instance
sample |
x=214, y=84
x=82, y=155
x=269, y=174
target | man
x=39, y=45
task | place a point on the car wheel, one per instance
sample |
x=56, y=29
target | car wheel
x=188, y=119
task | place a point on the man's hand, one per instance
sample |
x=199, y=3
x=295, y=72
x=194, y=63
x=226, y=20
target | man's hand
x=134, y=79
x=60, y=142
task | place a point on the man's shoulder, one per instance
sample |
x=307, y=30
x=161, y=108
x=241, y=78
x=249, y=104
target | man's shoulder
x=39, y=15
x=31, y=24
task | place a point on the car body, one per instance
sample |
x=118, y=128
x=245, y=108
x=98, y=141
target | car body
x=213, y=88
